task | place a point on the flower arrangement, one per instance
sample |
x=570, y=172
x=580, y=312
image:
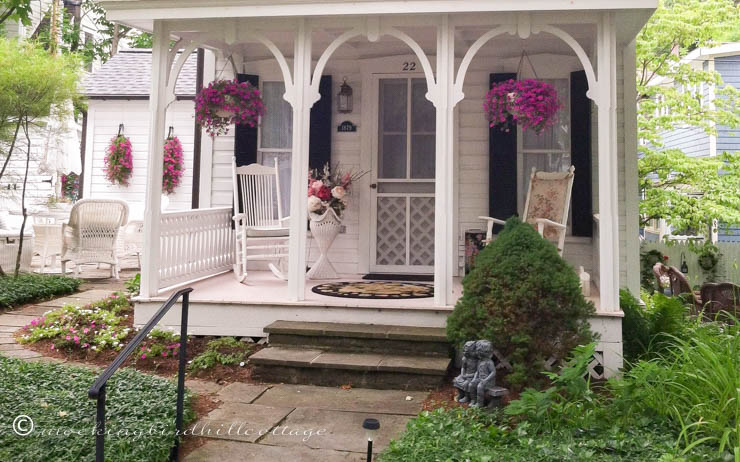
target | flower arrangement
x=71, y=186
x=328, y=188
x=119, y=163
x=226, y=102
x=532, y=104
x=173, y=168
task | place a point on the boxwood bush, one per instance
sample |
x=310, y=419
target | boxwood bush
x=140, y=414
x=524, y=298
x=27, y=288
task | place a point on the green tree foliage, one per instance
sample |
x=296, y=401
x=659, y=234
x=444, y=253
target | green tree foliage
x=524, y=298
x=688, y=192
x=15, y=10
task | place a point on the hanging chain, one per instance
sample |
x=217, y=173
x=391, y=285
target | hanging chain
x=521, y=65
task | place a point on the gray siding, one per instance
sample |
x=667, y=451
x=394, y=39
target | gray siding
x=729, y=68
x=692, y=141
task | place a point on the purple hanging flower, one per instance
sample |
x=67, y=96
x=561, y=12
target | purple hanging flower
x=226, y=102
x=531, y=104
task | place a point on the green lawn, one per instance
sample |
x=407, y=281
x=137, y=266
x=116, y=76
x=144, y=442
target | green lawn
x=27, y=288
x=140, y=413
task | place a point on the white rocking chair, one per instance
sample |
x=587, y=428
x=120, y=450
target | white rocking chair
x=258, y=218
x=547, y=205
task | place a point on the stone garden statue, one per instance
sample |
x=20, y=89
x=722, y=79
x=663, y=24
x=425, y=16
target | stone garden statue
x=467, y=372
x=484, y=379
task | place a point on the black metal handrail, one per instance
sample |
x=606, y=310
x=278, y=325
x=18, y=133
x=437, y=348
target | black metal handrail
x=97, y=391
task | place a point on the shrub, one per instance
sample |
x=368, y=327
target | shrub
x=646, y=329
x=159, y=344
x=27, y=288
x=524, y=298
x=133, y=285
x=636, y=330
x=140, y=413
x=93, y=327
x=226, y=351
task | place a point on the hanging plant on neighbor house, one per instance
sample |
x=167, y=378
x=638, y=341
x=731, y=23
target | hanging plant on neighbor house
x=226, y=102
x=71, y=186
x=531, y=104
x=173, y=167
x=119, y=163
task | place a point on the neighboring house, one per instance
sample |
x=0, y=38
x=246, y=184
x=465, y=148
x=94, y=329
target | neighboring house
x=419, y=71
x=694, y=141
x=118, y=93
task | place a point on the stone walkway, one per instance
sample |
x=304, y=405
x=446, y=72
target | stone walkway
x=262, y=421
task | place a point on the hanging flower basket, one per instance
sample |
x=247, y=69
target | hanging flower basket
x=71, y=186
x=119, y=162
x=173, y=167
x=531, y=104
x=226, y=102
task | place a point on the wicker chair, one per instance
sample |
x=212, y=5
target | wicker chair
x=678, y=283
x=724, y=296
x=92, y=233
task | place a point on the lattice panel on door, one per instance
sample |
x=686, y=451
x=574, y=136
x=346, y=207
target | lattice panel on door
x=421, y=236
x=391, y=231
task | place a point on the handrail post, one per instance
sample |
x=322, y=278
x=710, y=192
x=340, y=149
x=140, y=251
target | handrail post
x=182, y=352
x=100, y=427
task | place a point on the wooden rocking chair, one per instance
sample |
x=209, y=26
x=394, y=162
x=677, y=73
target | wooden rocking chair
x=262, y=232
x=546, y=208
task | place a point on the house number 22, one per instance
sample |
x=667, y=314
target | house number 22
x=409, y=66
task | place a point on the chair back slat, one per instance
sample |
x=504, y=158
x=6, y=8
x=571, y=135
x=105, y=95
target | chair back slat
x=257, y=189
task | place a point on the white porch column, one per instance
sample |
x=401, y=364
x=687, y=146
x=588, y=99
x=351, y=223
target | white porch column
x=299, y=100
x=608, y=174
x=152, y=210
x=444, y=242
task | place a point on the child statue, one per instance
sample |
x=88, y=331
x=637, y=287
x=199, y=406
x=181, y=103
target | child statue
x=485, y=374
x=467, y=372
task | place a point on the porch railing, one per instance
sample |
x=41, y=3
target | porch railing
x=195, y=244
x=97, y=391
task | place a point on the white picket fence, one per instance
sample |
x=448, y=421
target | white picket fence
x=195, y=244
x=728, y=267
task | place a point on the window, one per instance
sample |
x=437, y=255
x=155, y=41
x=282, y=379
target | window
x=276, y=137
x=550, y=150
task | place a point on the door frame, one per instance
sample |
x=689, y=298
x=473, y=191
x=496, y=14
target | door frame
x=374, y=92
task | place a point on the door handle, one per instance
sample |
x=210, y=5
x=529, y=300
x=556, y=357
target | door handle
x=373, y=186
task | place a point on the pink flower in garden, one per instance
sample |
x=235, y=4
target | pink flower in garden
x=85, y=345
x=143, y=356
x=76, y=339
x=164, y=354
x=52, y=346
x=85, y=330
x=69, y=338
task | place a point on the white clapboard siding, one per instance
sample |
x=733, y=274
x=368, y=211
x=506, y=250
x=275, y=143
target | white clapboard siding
x=103, y=121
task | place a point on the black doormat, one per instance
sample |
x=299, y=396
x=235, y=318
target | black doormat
x=375, y=290
x=398, y=277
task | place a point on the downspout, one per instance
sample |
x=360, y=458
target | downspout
x=197, y=134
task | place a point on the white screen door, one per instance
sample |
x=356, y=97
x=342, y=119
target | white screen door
x=403, y=178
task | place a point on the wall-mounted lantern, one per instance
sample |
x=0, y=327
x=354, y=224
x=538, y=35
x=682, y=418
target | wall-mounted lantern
x=684, y=265
x=344, y=98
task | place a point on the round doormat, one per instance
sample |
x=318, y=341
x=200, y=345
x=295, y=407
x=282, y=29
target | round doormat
x=375, y=290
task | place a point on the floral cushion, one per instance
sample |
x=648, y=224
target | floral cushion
x=547, y=200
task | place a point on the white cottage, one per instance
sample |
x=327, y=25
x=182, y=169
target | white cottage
x=419, y=70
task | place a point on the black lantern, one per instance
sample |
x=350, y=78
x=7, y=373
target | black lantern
x=344, y=98
x=371, y=427
x=684, y=266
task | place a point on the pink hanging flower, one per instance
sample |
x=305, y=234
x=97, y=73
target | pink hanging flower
x=173, y=168
x=531, y=104
x=118, y=161
x=226, y=102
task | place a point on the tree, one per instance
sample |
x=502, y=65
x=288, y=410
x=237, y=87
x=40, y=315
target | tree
x=34, y=87
x=15, y=10
x=689, y=193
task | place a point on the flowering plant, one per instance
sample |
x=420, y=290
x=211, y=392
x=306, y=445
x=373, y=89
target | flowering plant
x=328, y=188
x=71, y=186
x=173, y=168
x=532, y=104
x=119, y=163
x=226, y=102
x=159, y=344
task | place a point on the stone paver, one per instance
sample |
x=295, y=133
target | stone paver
x=202, y=387
x=246, y=452
x=415, y=364
x=242, y=393
x=338, y=430
x=15, y=320
x=7, y=329
x=355, y=361
x=7, y=340
x=34, y=310
x=21, y=354
x=354, y=399
x=240, y=422
x=286, y=356
x=10, y=347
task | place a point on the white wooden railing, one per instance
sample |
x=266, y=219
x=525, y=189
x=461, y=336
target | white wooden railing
x=195, y=244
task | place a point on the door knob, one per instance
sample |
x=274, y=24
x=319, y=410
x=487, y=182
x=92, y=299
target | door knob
x=374, y=186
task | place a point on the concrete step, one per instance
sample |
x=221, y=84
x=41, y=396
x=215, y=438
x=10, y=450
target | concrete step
x=375, y=338
x=335, y=368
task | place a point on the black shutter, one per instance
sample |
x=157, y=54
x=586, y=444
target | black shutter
x=245, y=137
x=319, y=144
x=580, y=145
x=502, y=189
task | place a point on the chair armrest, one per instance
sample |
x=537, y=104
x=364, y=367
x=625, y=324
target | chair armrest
x=489, y=226
x=285, y=221
x=547, y=222
x=494, y=220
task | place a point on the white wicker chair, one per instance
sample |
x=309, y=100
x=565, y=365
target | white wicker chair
x=258, y=218
x=92, y=232
x=47, y=243
x=546, y=208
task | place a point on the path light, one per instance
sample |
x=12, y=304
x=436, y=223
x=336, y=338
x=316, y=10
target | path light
x=371, y=427
x=344, y=98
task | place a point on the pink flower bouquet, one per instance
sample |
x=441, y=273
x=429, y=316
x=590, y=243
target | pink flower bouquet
x=173, y=168
x=226, y=102
x=119, y=163
x=532, y=104
x=328, y=188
